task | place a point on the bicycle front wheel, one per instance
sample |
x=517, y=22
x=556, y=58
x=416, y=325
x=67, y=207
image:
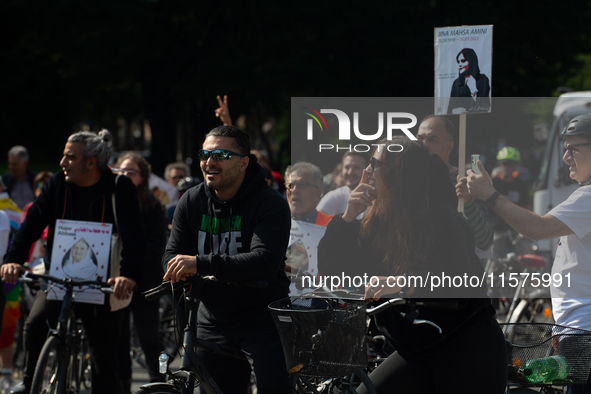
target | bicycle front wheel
x=158, y=388
x=48, y=372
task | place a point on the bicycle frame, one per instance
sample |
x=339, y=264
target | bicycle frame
x=64, y=341
x=193, y=371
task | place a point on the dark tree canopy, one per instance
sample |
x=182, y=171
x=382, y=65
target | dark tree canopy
x=68, y=62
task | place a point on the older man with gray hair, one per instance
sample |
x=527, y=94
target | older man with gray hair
x=304, y=188
x=19, y=182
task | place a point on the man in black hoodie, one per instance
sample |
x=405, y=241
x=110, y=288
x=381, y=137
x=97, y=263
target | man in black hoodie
x=234, y=227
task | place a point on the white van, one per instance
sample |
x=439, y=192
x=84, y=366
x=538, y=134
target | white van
x=554, y=184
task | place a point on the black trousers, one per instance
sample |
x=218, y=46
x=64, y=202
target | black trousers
x=475, y=361
x=259, y=342
x=102, y=328
x=146, y=319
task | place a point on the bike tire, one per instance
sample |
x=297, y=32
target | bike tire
x=532, y=311
x=50, y=370
x=346, y=384
x=158, y=388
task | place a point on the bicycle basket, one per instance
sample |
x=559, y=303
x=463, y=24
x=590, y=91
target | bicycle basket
x=320, y=337
x=538, y=340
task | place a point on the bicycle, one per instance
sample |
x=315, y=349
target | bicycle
x=192, y=372
x=167, y=332
x=530, y=301
x=324, y=339
x=61, y=367
x=533, y=341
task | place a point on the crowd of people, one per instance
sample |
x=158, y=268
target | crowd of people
x=394, y=212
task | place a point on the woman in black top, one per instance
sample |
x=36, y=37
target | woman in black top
x=412, y=228
x=470, y=92
x=145, y=313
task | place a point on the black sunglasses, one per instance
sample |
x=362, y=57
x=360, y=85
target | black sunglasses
x=375, y=163
x=217, y=154
x=571, y=151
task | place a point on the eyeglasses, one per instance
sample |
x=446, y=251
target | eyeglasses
x=124, y=171
x=217, y=154
x=571, y=151
x=300, y=185
x=375, y=163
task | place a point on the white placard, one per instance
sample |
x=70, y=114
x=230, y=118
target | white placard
x=303, y=249
x=463, y=67
x=80, y=251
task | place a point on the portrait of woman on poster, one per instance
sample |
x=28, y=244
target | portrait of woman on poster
x=297, y=257
x=470, y=92
x=80, y=262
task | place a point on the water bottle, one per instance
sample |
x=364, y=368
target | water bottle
x=546, y=370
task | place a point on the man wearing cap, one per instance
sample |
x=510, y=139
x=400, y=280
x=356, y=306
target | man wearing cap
x=571, y=221
x=514, y=189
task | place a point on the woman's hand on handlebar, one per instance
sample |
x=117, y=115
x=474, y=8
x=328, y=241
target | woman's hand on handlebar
x=123, y=287
x=11, y=271
x=386, y=285
x=180, y=268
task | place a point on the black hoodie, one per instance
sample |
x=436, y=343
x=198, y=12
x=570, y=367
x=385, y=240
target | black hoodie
x=241, y=239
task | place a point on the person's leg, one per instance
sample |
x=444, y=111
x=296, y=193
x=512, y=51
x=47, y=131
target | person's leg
x=146, y=319
x=42, y=314
x=395, y=374
x=123, y=357
x=262, y=347
x=230, y=374
x=474, y=359
x=103, y=329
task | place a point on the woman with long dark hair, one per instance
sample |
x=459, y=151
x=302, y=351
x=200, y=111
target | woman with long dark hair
x=412, y=229
x=145, y=314
x=470, y=92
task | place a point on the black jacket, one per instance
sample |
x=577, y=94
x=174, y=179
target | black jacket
x=153, y=224
x=460, y=96
x=56, y=202
x=253, y=231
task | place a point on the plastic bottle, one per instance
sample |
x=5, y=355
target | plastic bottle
x=546, y=370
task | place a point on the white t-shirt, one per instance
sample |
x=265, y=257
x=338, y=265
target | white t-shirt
x=571, y=302
x=335, y=201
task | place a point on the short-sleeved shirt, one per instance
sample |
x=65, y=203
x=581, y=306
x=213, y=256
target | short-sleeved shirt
x=335, y=201
x=571, y=302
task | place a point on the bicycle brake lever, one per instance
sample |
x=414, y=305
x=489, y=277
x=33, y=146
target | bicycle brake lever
x=419, y=321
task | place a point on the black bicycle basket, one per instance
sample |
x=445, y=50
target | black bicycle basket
x=532, y=341
x=321, y=337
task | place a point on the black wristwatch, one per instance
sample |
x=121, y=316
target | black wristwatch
x=490, y=202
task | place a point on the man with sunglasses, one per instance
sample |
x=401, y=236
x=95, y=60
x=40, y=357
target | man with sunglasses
x=235, y=227
x=570, y=220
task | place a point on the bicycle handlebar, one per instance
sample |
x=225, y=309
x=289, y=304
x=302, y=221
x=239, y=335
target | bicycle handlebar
x=29, y=277
x=167, y=288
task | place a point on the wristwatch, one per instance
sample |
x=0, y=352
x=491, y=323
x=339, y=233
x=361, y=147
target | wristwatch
x=490, y=202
